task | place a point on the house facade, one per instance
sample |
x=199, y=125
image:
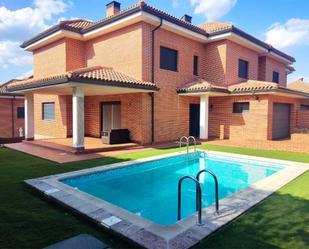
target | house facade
x=11, y=116
x=158, y=76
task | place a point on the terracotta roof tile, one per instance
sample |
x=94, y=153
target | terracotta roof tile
x=76, y=25
x=201, y=85
x=144, y=4
x=103, y=75
x=299, y=85
x=3, y=88
x=214, y=27
x=253, y=85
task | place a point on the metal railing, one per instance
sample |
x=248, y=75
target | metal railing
x=198, y=197
x=187, y=142
x=216, y=185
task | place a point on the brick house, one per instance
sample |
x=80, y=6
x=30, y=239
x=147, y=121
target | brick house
x=11, y=115
x=158, y=76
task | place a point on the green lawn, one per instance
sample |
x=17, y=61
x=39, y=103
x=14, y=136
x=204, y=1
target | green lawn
x=27, y=220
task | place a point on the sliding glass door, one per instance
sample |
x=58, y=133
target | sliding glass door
x=111, y=116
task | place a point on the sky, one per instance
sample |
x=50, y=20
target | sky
x=283, y=23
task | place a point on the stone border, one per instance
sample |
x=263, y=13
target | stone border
x=183, y=234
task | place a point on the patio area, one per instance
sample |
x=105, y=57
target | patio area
x=91, y=144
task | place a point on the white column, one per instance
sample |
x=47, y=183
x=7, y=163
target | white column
x=204, y=109
x=29, y=116
x=78, y=118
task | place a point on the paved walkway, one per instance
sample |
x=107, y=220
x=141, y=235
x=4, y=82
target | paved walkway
x=59, y=156
x=51, y=154
x=65, y=157
x=301, y=146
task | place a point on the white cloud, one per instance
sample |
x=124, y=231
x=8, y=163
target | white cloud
x=294, y=32
x=25, y=22
x=21, y=24
x=11, y=53
x=213, y=9
x=175, y=4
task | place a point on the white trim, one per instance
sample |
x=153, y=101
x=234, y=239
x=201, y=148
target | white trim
x=53, y=37
x=281, y=58
x=93, y=33
x=152, y=19
x=204, y=116
x=78, y=117
x=219, y=37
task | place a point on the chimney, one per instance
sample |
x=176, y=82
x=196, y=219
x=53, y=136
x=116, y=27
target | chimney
x=187, y=18
x=112, y=8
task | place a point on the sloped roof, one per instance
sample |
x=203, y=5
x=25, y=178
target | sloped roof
x=75, y=25
x=214, y=27
x=249, y=86
x=97, y=75
x=299, y=85
x=82, y=26
x=253, y=85
x=201, y=85
x=5, y=92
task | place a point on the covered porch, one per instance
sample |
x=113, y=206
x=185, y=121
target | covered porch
x=250, y=110
x=91, y=145
x=75, y=109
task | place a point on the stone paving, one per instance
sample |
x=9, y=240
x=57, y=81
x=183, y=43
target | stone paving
x=181, y=235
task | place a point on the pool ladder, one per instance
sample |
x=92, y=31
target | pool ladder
x=187, y=142
x=198, y=199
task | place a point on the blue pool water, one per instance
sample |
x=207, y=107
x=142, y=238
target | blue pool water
x=150, y=189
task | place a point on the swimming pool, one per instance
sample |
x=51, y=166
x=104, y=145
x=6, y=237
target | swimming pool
x=150, y=189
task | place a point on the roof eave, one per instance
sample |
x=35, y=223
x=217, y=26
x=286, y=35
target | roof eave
x=268, y=91
x=180, y=91
x=41, y=84
x=44, y=34
x=254, y=40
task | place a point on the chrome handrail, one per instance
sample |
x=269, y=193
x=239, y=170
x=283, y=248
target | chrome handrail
x=216, y=185
x=194, y=140
x=187, y=142
x=198, y=197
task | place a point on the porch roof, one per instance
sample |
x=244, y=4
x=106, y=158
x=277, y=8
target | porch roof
x=299, y=85
x=201, y=86
x=264, y=87
x=99, y=76
x=245, y=87
x=4, y=91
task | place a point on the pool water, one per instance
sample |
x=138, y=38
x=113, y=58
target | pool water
x=150, y=189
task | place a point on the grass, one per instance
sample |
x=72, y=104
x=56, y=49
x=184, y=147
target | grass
x=28, y=220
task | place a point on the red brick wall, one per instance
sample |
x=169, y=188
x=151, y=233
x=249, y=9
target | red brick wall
x=129, y=50
x=223, y=123
x=75, y=54
x=234, y=53
x=121, y=50
x=50, y=128
x=215, y=63
x=302, y=116
x=171, y=110
x=50, y=59
x=6, y=119
x=135, y=115
x=272, y=65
